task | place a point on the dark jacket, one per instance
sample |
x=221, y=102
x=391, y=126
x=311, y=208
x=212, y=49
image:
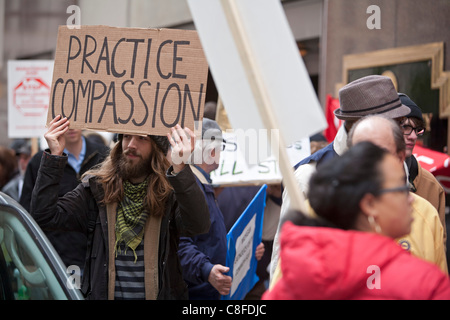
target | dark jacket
x=71, y=246
x=200, y=253
x=81, y=209
x=320, y=156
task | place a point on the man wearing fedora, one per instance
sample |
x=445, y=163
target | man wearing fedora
x=368, y=95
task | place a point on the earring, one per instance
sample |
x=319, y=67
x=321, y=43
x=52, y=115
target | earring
x=373, y=224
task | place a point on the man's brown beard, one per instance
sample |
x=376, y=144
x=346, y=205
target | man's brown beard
x=128, y=170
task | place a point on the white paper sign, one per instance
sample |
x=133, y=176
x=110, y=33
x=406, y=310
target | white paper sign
x=243, y=254
x=276, y=55
x=29, y=83
x=234, y=170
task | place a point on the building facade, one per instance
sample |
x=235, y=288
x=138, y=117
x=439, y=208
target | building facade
x=326, y=31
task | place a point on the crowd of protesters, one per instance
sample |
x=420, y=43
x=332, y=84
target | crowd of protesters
x=143, y=220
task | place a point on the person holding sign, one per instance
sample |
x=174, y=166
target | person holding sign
x=203, y=257
x=347, y=251
x=134, y=201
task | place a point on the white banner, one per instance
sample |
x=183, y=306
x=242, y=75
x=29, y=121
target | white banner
x=260, y=75
x=277, y=58
x=29, y=83
x=234, y=170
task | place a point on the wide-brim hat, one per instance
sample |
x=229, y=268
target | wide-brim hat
x=370, y=95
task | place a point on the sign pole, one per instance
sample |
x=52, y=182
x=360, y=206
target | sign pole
x=259, y=91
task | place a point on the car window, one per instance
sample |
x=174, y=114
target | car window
x=26, y=271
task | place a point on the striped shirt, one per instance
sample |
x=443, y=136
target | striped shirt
x=130, y=274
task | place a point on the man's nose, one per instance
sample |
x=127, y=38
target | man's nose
x=133, y=142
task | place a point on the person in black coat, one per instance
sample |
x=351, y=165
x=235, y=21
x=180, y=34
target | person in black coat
x=83, y=155
x=133, y=201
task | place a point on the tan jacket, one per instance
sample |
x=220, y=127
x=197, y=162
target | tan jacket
x=426, y=239
x=430, y=189
x=151, y=245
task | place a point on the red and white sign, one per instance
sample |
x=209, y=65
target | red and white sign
x=437, y=163
x=28, y=97
x=333, y=122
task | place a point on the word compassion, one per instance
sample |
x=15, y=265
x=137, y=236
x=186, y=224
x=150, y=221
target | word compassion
x=140, y=80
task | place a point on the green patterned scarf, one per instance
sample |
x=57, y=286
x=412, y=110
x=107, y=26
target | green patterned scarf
x=131, y=216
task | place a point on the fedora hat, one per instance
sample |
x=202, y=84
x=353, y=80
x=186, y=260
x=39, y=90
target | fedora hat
x=370, y=95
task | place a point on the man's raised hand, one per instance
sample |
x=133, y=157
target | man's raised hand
x=55, y=135
x=182, y=146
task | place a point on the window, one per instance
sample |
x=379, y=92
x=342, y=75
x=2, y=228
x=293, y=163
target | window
x=27, y=269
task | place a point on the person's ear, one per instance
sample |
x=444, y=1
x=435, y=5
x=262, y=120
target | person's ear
x=370, y=213
x=369, y=205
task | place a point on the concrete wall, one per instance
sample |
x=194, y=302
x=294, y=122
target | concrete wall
x=135, y=13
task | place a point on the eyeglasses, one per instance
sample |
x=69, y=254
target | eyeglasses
x=229, y=146
x=407, y=130
x=222, y=146
x=404, y=189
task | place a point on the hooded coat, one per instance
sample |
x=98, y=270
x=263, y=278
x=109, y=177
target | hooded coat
x=324, y=263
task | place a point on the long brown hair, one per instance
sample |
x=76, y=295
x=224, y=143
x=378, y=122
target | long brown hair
x=109, y=175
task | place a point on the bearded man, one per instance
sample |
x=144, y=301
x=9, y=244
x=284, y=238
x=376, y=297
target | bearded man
x=133, y=201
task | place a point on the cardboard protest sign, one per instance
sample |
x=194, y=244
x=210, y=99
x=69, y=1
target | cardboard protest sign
x=242, y=240
x=234, y=170
x=128, y=80
x=29, y=84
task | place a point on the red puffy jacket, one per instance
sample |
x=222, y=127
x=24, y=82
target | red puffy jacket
x=324, y=263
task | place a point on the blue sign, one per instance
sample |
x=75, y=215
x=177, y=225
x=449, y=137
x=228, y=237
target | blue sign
x=242, y=240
